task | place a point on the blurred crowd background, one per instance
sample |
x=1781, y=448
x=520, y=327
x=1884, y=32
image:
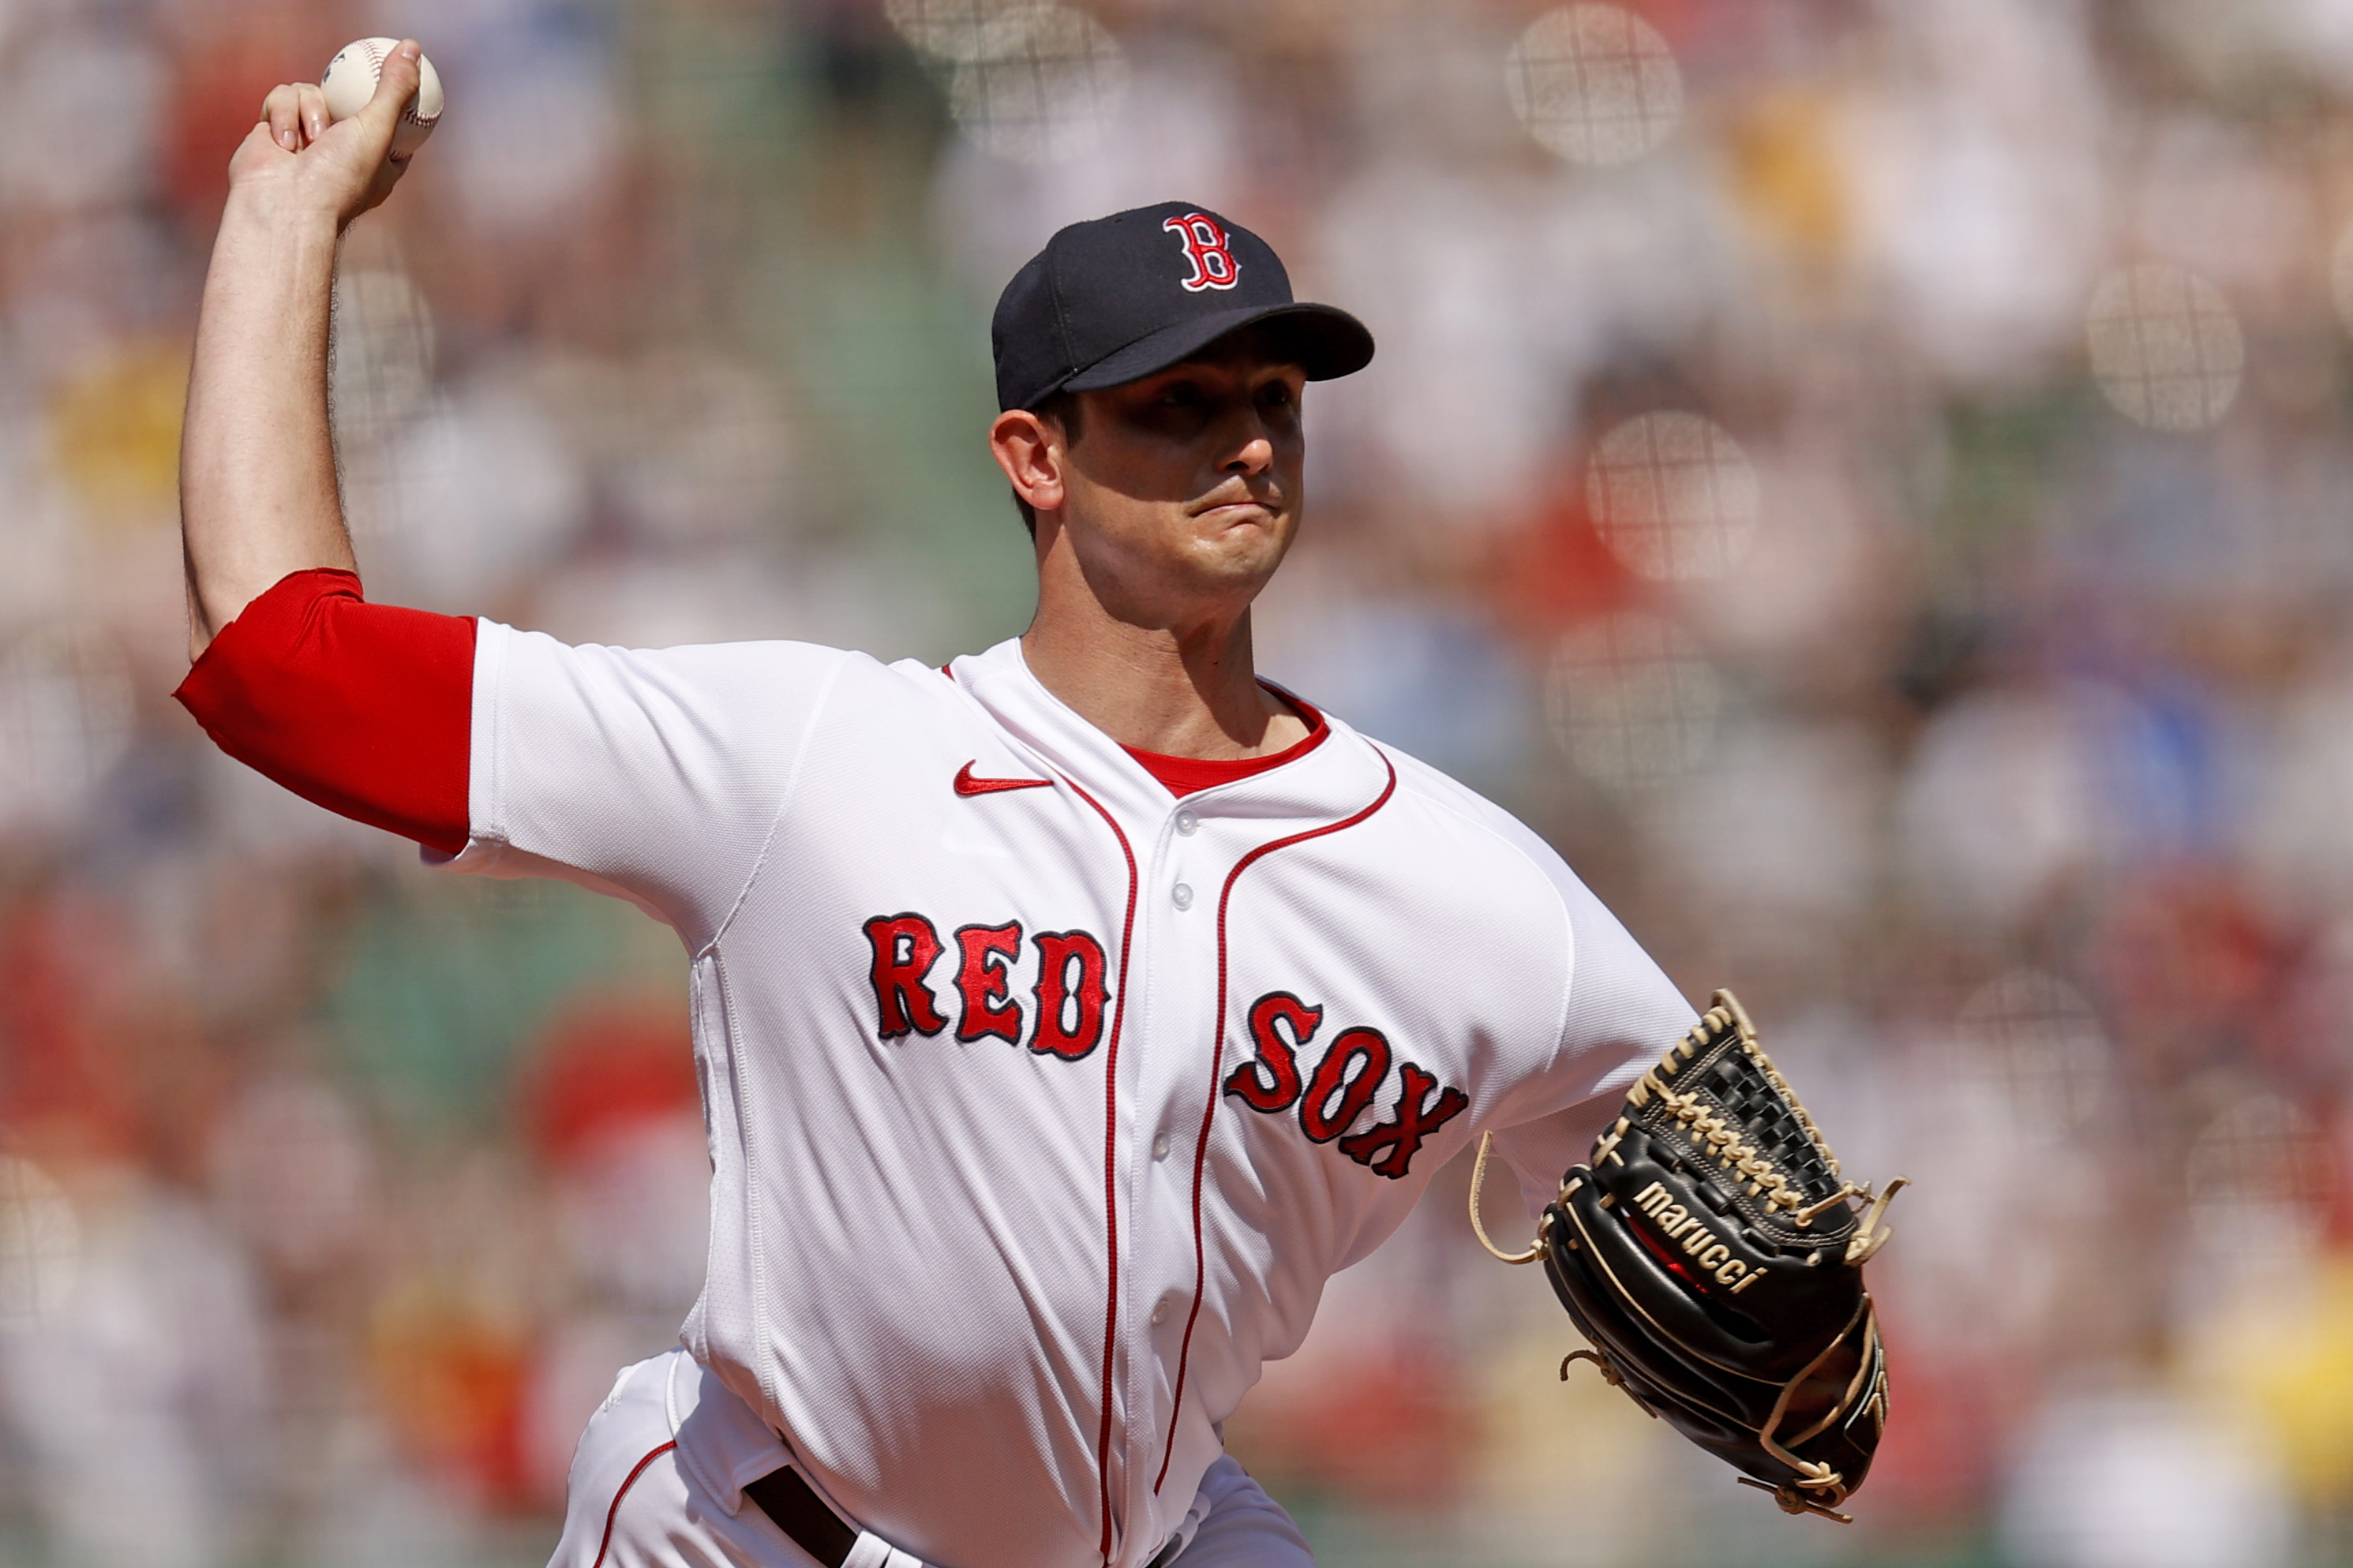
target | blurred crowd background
x=1868, y=478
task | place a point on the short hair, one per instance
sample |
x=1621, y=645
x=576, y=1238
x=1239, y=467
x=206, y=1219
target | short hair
x=1061, y=405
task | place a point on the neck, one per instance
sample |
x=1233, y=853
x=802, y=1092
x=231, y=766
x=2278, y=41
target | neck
x=1182, y=692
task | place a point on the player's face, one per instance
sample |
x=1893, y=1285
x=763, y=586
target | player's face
x=1187, y=483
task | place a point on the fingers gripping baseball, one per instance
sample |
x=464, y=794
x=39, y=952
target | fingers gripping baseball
x=300, y=152
x=296, y=112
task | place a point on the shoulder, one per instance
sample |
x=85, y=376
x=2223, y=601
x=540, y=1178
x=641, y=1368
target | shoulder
x=1536, y=917
x=709, y=710
x=1478, y=840
x=750, y=658
x=1442, y=793
x=759, y=675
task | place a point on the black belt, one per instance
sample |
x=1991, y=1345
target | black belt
x=800, y=1513
x=817, y=1530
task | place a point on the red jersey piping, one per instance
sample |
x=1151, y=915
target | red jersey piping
x=614, y=1513
x=1110, y=1166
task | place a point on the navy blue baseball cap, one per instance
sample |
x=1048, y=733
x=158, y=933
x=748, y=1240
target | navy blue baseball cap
x=1113, y=299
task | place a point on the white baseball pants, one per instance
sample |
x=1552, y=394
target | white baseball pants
x=631, y=1502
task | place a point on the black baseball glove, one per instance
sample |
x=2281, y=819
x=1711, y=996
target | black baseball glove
x=1712, y=1253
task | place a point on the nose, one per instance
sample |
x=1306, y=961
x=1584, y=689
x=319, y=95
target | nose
x=1256, y=453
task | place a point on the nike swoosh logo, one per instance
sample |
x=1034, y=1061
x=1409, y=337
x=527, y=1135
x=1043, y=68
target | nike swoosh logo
x=966, y=784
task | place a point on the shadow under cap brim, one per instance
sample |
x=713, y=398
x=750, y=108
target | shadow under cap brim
x=1328, y=343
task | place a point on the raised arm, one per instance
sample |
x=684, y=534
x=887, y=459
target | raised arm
x=258, y=496
x=655, y=775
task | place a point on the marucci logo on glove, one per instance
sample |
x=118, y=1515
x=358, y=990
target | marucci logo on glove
x=1702, y=1246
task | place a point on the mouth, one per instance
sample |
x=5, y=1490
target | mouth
x=1227, y=508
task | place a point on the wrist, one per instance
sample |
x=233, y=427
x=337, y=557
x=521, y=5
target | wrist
x=276, y=206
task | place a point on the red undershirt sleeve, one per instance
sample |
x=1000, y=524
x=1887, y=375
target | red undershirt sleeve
x=366, y=710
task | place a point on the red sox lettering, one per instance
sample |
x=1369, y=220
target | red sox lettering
x=1354, y=1069
x=1065, y=1021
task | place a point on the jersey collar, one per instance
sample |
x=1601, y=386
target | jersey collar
x=1333, y=779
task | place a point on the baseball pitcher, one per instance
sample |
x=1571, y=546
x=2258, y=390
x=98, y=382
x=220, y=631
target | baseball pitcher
x=1065, y=1017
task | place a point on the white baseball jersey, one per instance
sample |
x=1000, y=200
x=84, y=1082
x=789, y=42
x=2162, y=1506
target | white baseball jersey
x=1041, y=1103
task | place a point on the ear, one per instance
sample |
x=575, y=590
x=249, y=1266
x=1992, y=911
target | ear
x=1030, y=450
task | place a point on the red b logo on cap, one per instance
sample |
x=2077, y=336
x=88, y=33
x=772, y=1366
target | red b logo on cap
x=1214, y=265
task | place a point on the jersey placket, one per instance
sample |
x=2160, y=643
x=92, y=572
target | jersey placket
x=1173, y=967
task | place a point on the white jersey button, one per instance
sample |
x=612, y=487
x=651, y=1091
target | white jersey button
x=1160, y=1314
x=1160, y=1147
x=1182, y=896
x=1187, y=824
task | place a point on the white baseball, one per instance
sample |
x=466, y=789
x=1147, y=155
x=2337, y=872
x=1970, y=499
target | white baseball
x=350, y=78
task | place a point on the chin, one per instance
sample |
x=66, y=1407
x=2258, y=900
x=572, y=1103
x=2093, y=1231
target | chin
x=1255, y=529
x=1249, y=560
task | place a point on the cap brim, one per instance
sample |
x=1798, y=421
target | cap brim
x=1323, y=340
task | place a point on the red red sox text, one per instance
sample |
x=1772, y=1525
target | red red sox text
x=1066, y=1017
